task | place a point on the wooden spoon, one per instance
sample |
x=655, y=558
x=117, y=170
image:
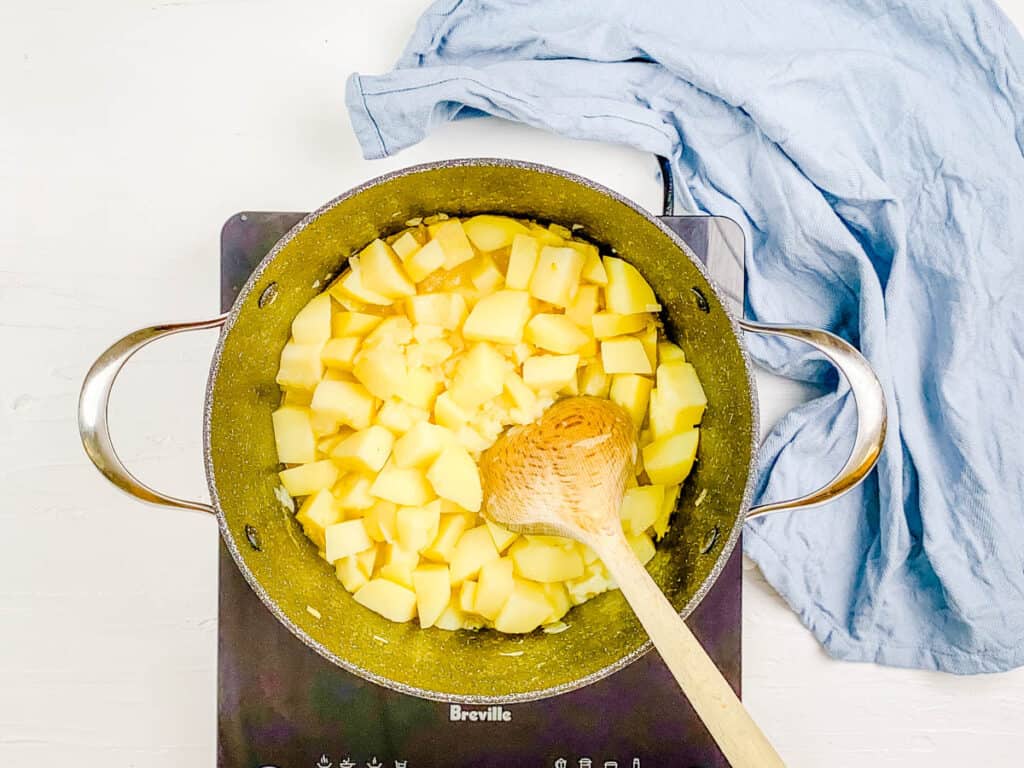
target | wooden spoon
x=565, y=475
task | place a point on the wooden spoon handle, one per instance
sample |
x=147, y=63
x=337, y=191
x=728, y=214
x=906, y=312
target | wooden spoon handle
x=714, y=700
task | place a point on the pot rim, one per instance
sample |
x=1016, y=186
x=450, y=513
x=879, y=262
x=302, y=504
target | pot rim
x=395, y=685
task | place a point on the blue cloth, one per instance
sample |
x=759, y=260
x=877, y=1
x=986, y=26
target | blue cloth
x=872, y=151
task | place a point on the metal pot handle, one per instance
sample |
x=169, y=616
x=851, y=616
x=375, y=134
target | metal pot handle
x=94, y=402
x=871, y=413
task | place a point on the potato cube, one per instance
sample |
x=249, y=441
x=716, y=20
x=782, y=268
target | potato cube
x=353, y=492
x=670, y=353
x=398, y=565
x=558, y=598
x=467, y=596
x=405, y=487
x=349, y=573
x=489, y=233
x=540, y=559
x=419, y=388
x=418, y=526
x=555, y=333
x=668, y=507
x=608, y=324
x=522, y=396
x=557, y=275
x=339, y=353
x=387, y=598
x=595, y=581
x=322, y=423
x=309, y=478
x=593, y=269
x=381, y=521
x=681, y=395
x=433, y=591
x=353, y=324
x=670, y=459
x=594, y=381
x=449, y=530
x=452, y=618
x=428, y=353
x=649, y=338
x=421, y=445
x=641, y=506
x=327, y=444
x=405, y=245
x=364, y=451
x=293, y=435
x=382, y=272
x=399, y=416
x=391, y=332
x=484, y=274
x=631, y=392
x=526, y=608
x=625, y=354
x=479, y=376
x=627, y=293
x=493, y=588
x=313, y=323
x=450, y=414
x=583, y=307
x=522, y=261
x=455, y=476
x=543, y=234
x=316, y=514
x=351, y=285
x=381, y=370
x=549, y=373
x=642, y=547
x=502, y=536
x=300, y=366
x=345, y=401
x=474, y=548
x=499, y=317
x=345, y=538
x=453, y=241
x=424, y=262
x=447, y=310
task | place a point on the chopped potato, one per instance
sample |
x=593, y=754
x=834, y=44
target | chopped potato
x=293, y=435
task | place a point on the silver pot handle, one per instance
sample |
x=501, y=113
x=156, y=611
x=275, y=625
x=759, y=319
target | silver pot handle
x=94, y=402
x=871, y=413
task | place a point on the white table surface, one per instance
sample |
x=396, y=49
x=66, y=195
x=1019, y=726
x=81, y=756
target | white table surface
x=128, y=132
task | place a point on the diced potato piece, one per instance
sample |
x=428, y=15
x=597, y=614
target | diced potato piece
x=627, y=293
x=499, y=317
x=300, y=366
x=392, y=332
x=309, y=478
x=455, y=476
x=313, y=323
x=474, y=548
x=562, y=231
x=543, y=234
x=452, y=618
x=521, y=262
x=681, y=395
x=345, y=401
x=365, y=450
x=418, y=526
x=526, y=608
x=316, y=514
x=631, y=392
x=549, y=373
x=502, y=536
x=557, y=275
x=353, y=492
x=450, y=414
x=299, y=397
x=405, y=245
x=424, y=262
x=642, y=547
x=649, y=338
x=467, y=596
x=593, y=269
x=641, y=506
x=625, y=354
x=419, y=388
x=670, y=353
x=594, y=582
x=405, y=487
x=583, y=307
x=594, y=381
x=433, y=591
x=322, y=423
x=453, y=241
x=399, y=416
x=382, y=273
x=558, y=598
x=345, y=538
x=670, y=459
x=668, y=507
x=382, y=521
x=485, y=275
x=428, y=353
x=353, y=324
x=523, y=397
x=608, y=324
x=398, y=565
x=351, y=285
x=327, y=444
x=421, y=445
x=381, y=370
x=349, y=573
x=493, y=587
x=293, y=435
x=544, y=561
x=489, y=233
x=339, y=353
x=480, y=375
x=449, y=530
x=447, y=310
x=555, y=333
x=387, y=598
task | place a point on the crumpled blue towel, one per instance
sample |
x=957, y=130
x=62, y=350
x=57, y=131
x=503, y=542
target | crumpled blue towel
x=872, y=151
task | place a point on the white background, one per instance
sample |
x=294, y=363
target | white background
x=129, y=131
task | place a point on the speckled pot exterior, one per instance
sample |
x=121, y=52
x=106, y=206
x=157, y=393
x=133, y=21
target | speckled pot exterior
x=282, y=566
